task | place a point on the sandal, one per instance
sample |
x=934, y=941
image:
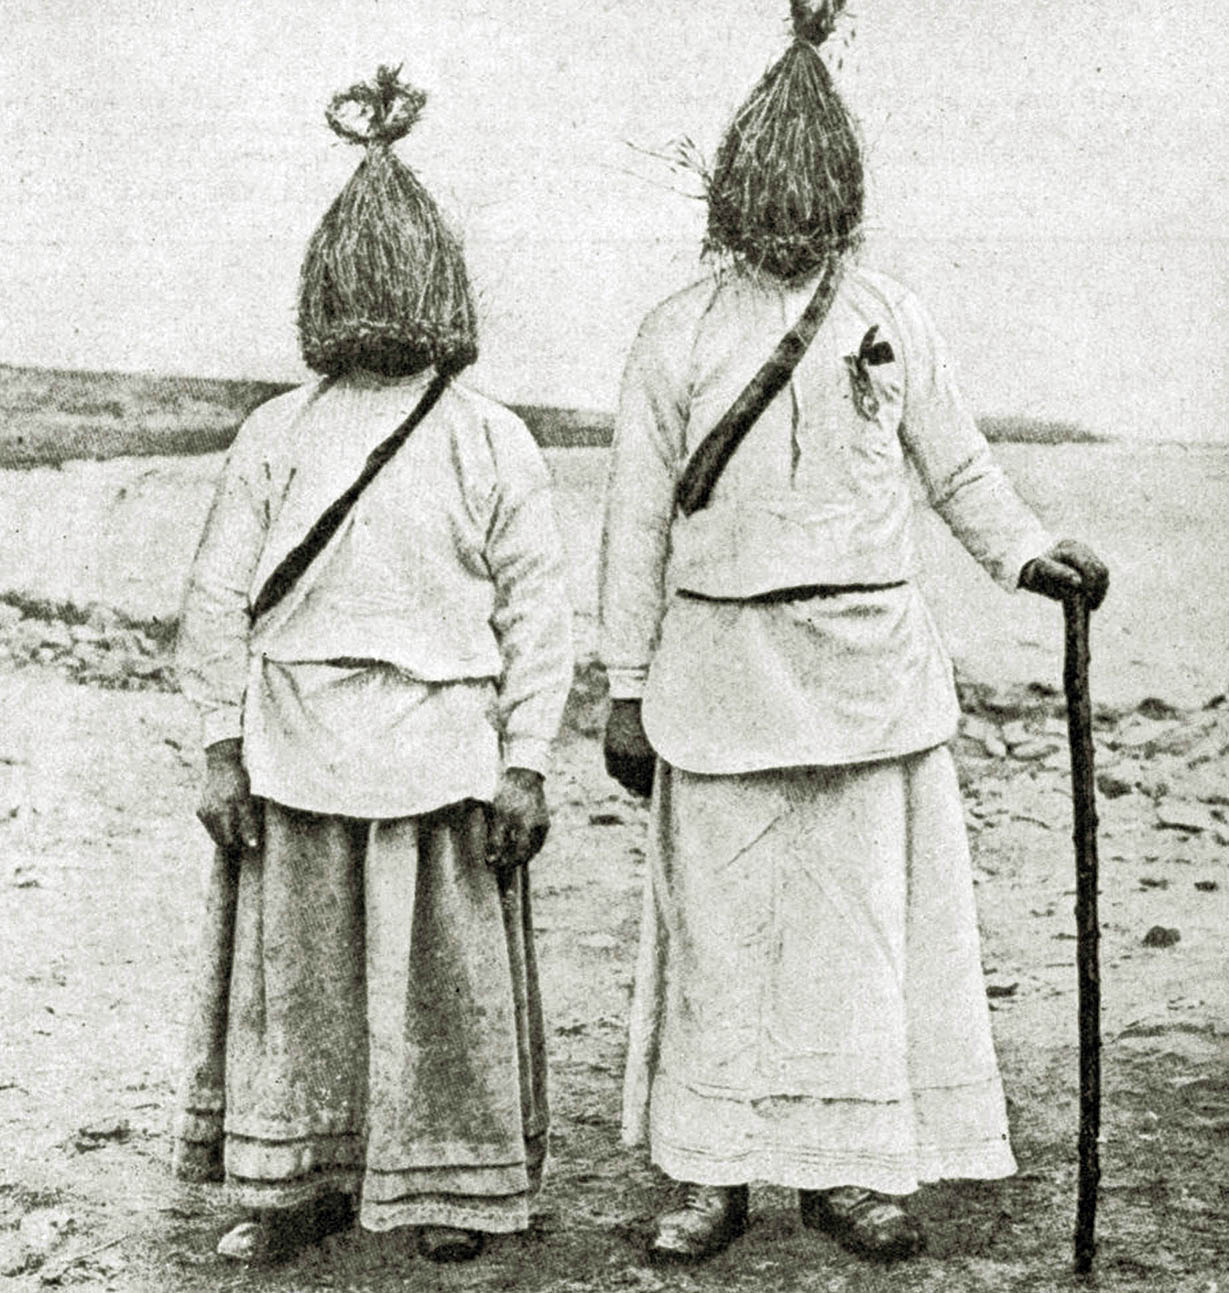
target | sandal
x=868, y=1223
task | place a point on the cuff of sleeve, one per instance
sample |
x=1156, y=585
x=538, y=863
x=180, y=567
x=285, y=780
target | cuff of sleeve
x=1020, y=555
x=223, y=724
x=530, y=752
x=627, y=684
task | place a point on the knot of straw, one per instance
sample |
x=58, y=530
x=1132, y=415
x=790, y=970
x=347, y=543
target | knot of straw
x=376, y=112
x=815, y=25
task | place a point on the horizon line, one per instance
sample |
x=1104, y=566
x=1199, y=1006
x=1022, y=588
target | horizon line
x=52, y=415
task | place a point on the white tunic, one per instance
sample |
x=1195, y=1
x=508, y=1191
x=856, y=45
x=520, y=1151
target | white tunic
x=426, y=645
x=818, y=494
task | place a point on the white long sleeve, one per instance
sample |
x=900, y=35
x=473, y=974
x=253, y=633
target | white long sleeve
x=646, y=451
x=532, y=617
x=963, y=482
x=214, y=629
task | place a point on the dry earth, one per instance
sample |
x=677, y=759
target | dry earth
x=100, y=861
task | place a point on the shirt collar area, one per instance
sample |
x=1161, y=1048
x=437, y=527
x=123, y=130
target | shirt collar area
x=365, y=380
x=796, y=291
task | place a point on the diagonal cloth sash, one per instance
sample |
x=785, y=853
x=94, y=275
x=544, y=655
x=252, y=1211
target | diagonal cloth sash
x=705, y=466
x=297, y=560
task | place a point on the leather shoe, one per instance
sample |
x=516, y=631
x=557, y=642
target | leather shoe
x=277, y=1234
x=710, y=1218
x=449, y=1243
x=870, y=1224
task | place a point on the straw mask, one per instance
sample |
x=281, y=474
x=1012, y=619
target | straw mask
x=383, y=284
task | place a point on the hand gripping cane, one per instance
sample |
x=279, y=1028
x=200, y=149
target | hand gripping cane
x=1088, y=973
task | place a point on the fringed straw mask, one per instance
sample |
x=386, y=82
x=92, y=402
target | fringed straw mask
x=786, y=191
x=383, y=284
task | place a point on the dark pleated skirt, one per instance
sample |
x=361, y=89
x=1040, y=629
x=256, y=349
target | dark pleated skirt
x=366, y=1017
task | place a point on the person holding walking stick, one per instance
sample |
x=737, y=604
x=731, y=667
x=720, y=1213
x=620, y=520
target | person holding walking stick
x=809, y=1009
x=377, y=635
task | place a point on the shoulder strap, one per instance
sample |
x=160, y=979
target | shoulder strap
x=705, y=466
x=297, y=560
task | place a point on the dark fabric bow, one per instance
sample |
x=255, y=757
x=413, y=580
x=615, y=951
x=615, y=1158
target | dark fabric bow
x=871, y=353
x=875, y=352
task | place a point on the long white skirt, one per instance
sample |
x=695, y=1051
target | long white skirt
x=809, y=1007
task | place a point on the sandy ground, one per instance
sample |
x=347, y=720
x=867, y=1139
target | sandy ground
x=100, y=863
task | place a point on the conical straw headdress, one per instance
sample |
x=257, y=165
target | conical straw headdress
x=786, y=190
x=383, y=284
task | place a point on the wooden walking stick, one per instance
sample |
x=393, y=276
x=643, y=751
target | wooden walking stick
x=1088, y=973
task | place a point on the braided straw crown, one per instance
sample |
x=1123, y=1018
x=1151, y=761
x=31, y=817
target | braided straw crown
x=388, y=105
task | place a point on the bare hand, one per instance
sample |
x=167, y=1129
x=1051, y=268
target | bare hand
x=630, y=759
x=517, y=820
x=1068, y=567
x=227, y=810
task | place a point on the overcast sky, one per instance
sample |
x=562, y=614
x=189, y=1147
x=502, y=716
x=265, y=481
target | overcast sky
x=1050, y=175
